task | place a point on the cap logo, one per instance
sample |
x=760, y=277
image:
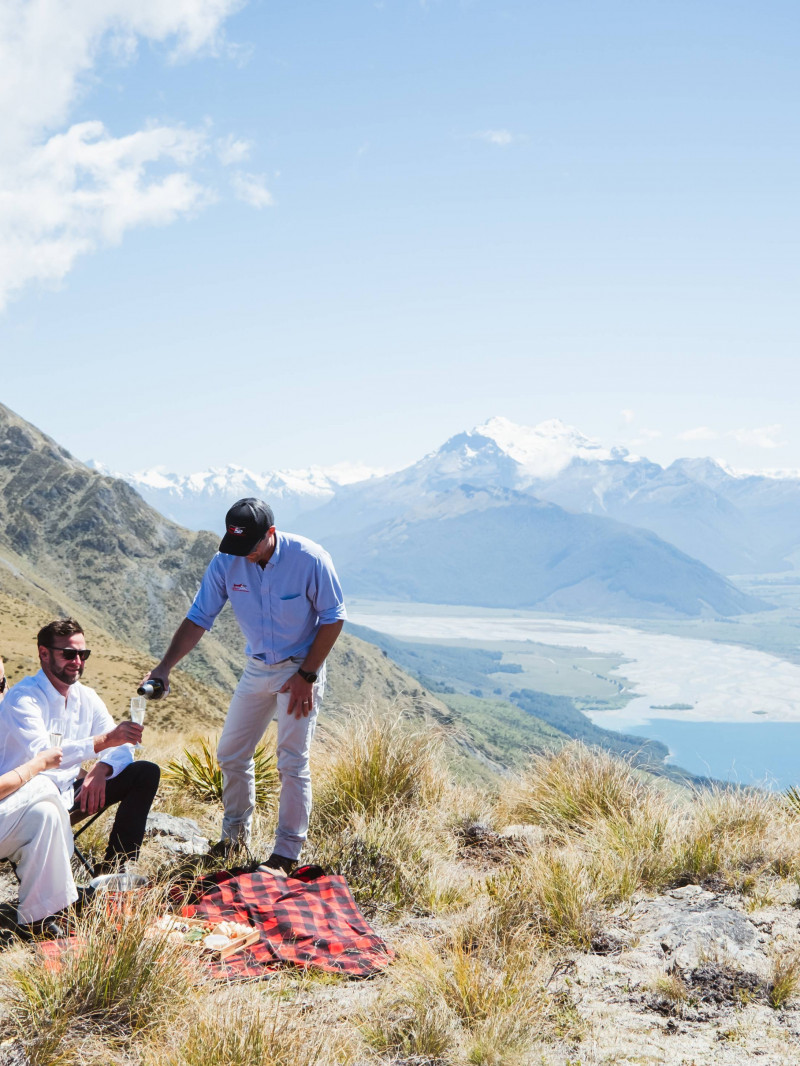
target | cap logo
x=237, y=531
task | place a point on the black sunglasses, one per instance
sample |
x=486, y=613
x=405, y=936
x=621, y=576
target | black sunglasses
x=72, y=653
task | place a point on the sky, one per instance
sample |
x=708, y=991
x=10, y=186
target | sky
x=283, y=234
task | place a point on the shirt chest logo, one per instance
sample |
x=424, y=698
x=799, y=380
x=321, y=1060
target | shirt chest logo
x=240, y=588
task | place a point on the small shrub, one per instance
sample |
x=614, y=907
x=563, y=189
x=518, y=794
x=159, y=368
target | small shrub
x=200, y=774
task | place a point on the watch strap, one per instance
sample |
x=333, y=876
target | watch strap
x=307, y=675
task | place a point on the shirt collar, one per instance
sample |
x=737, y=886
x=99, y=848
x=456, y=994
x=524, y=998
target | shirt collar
x=275, y=558
x=52, y=695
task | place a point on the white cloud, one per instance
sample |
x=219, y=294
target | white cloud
x=627, y=416
x=251, y=189
x=761, y=437
x=232, y=150
x=67, y=190
x=502, y=138
x=699, y=433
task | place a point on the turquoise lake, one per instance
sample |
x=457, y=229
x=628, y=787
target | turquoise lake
x=757, y=753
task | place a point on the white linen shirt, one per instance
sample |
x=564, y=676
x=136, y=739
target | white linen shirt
x=279, y=607
x=25, y=716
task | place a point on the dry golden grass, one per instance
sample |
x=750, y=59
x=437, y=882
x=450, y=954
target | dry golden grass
x=553, y=895
x=476, y=990
x=570, y=791
x=377, y=764
x=253, y=1029
x=458, y=1001
x=118, y=987
x=785, y=978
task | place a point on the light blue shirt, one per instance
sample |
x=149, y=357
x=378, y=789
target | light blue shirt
x=25, y=717
x=279, y=607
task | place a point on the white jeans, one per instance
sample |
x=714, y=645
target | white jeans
x=255, y=703
x=35, y=835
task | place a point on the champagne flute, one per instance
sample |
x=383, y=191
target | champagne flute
x=56, y=732
x=138, y=707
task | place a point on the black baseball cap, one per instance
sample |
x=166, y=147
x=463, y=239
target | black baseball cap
x=246, y=523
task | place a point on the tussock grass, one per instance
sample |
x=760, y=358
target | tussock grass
x=477, y=990
x=252, y=1032
x=570, y=791
x=198, y=773
x=636, y=836
x=449, y=1003
x=376, y=765
x=785, y=979
x=117, y=987
x=553, y=895
x=729, y=831
x=672, y=992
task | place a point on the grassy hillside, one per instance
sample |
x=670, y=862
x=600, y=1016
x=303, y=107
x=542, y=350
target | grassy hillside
x=583, y=915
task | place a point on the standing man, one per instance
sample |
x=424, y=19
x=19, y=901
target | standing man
x=288, y=602
x=55, y=695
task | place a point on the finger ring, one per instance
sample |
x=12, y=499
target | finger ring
x=305, y=701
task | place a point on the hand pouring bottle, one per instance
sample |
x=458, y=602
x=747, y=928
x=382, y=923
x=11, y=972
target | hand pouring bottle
x=153, y=689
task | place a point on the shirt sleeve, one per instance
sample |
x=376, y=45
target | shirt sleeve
x=23, y=718
x=211, y=596
x=328, y=598
x=102, y=722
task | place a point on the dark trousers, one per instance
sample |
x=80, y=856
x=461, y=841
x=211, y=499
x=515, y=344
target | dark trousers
x=134, y=789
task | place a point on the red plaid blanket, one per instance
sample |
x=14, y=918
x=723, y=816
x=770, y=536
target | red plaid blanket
x=314, y=923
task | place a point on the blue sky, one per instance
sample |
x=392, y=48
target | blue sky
x=282, y=234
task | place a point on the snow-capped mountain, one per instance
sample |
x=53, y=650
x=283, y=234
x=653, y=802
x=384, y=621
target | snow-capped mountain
x=733, y=523
x=199, y=501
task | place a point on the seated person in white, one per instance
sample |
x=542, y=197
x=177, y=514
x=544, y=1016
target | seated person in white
x=55, y=696
x=35, y=835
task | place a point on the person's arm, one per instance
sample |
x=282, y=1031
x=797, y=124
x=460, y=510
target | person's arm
x=114, y=741
x=15, y=779
x=3, y=682
x=301, y=698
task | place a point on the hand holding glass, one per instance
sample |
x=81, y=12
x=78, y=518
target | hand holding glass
x=138, y=707
x=56, y=732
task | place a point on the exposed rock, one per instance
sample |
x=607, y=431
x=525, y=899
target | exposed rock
x=181, y=836
x=689, y=925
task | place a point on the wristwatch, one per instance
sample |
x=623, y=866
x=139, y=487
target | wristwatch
x=4, y=682
x=307, y=675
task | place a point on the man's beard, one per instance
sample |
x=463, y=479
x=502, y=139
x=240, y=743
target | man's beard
x=67, y=678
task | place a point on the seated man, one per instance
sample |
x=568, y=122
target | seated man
x=56, y=696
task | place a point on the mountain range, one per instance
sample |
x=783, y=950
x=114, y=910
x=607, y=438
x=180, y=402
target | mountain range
x=734, y=523
x=541, y=517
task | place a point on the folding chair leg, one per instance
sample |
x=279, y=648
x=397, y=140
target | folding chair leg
x=78, y=853
x=83, y=860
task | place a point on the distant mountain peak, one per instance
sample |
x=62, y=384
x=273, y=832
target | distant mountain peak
x=546, y=449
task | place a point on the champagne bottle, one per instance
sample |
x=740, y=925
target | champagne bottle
x=152, y=689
